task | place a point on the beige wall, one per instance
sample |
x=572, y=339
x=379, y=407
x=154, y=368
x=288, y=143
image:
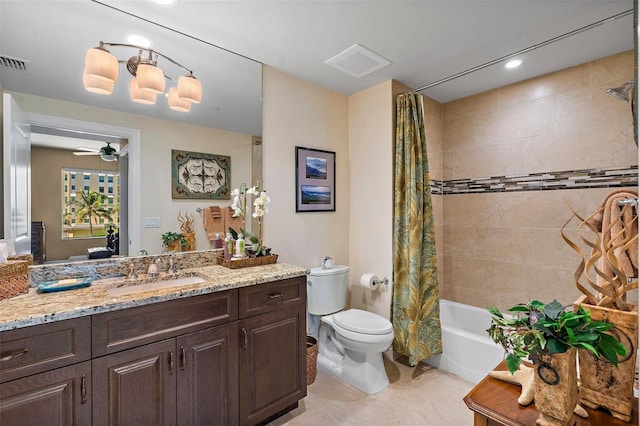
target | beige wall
x=46, y=198
x=158, y=137
x=297, y=113
x=505, y=248
x=371, y=194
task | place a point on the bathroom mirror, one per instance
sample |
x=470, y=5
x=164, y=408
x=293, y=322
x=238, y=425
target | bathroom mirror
x=43, y=45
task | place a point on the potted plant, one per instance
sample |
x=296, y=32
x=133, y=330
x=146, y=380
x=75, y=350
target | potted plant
x=549, y=335
x=604, y=275
x=173, y=241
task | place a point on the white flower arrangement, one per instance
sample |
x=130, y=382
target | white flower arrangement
x=239, y=206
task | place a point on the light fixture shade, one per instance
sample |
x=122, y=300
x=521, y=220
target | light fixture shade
x=150, y=78
x=189, y=89
x=108, y=157
x=177, y=104
x=101, y=64
x=95, y=85
x=140, y=96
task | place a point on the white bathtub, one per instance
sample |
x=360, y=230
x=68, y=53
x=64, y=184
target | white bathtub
x=467, y=350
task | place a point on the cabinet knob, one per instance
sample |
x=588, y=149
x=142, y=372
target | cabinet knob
x=170, y=362
x=183, y=358
x=245, y=338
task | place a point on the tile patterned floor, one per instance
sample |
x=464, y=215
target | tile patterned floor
x=421, y=395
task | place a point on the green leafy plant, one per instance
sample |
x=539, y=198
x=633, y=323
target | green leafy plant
x=169, y=238
x=536, y=328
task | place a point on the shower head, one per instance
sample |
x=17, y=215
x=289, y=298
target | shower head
x=622, y=92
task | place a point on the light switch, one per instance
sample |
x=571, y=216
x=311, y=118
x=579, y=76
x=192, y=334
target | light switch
x=152, y=222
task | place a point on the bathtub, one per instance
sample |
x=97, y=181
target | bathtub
x=467, y=350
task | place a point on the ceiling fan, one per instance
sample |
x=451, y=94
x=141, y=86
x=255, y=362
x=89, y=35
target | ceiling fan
x=106, y=153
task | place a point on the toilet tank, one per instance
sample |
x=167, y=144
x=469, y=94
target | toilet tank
x=327, y=289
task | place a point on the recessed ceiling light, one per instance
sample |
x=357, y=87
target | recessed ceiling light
x=138, y=40
x=514, y=63
x=164, y=2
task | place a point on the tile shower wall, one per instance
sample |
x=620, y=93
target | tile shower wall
x=501, y=245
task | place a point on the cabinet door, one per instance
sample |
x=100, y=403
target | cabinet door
x=272, y=363
x=57, y=397
x=137, y=386
x=208, y=377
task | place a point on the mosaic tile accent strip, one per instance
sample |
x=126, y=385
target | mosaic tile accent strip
x=571, y=179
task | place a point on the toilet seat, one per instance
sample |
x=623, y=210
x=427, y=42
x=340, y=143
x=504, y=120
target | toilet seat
x=359, y=321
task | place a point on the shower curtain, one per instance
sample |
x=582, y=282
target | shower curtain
x=415, y=309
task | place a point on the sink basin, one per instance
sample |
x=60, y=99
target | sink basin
x=155, y=285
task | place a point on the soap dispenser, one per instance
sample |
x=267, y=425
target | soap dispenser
x=228, y=246
x=240, y=246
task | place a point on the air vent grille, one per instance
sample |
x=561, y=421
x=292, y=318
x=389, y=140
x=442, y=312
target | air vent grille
x=358, y=61
x=13, y=63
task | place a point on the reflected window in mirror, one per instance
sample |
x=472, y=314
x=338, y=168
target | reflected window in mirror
x=90, y=203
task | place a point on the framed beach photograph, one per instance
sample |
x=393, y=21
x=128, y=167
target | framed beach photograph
x=315, y=180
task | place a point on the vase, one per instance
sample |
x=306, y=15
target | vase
x=174, y=246
x=191, y=241
x=601, y=383
x=556, y=388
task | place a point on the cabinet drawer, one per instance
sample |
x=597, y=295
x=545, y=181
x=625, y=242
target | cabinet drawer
x=119, y=330
x=267, y=297
x=39, y=348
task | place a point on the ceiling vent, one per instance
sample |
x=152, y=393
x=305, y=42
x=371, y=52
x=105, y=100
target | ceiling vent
x=357, y=61
x=13, y=63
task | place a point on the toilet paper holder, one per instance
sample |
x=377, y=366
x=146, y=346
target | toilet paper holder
x=384, y=281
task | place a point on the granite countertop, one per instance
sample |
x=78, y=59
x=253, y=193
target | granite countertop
x=35, y=308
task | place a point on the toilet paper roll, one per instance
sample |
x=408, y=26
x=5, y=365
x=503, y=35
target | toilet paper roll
x=369, y=281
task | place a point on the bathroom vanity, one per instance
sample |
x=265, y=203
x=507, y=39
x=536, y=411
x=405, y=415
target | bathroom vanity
x=230, y=350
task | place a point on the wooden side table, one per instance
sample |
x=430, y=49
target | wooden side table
x=495, y=402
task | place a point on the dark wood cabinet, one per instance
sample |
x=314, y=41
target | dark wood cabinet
x=136, y=387
x=232, y=357
x=272, y=339
x=272, y=363
x=189, y=380
x=207, y=377
x=38, y=242
x=57, y=397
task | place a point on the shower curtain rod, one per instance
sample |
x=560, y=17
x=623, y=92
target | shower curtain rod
x=528, y=49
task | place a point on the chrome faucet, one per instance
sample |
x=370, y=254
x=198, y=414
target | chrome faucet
x=142, y=252
x=132, y=272
x=153, y=268
x=172, y=265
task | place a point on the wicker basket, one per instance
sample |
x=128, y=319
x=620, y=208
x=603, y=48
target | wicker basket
x=26, y=257
x=248, y=261
x=14, y=278
x=312, y=356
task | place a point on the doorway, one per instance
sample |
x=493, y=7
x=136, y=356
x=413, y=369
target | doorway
x=128, y=165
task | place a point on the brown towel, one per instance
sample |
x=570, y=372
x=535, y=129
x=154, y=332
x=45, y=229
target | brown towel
x=619, y=221
x=213, y=222
x=616, y=222
x=232, y=222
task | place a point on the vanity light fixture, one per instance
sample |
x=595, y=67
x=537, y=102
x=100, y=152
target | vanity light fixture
x=102, y=71
x=514, y=63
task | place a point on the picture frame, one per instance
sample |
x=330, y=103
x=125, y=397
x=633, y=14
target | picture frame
x=197, y=175
x=315, y=180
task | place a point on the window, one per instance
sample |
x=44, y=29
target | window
x=88, y=212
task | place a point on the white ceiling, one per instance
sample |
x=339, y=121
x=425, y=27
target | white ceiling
x=425, y=41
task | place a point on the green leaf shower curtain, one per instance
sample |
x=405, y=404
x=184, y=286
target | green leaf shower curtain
x=415, y=309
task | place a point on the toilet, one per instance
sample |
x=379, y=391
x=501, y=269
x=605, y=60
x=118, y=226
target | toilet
x=350, y=342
